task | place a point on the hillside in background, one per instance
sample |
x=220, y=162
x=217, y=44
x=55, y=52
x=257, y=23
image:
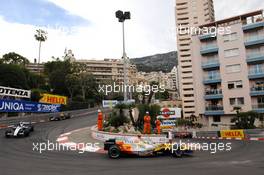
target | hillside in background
x=159, y=62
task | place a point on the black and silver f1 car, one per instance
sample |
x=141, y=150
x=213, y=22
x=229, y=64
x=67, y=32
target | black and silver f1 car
x=116, y=148
x=22, y=129
x=60, y=116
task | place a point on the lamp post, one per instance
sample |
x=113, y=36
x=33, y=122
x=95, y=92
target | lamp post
x=122, y=16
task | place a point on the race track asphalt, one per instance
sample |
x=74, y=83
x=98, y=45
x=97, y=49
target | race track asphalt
x=18, y=158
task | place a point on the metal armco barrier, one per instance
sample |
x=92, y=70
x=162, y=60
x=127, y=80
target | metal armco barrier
x=44, y=117
x=249, y=133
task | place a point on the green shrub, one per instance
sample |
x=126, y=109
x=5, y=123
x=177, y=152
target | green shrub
x=116, y=120
x=183, y=122
x=245, y=120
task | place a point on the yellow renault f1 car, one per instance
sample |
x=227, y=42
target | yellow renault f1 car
x=117, y=148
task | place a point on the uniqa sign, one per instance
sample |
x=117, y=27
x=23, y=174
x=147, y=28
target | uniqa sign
x=10, y=106
x=27, y=106
x=7, y=91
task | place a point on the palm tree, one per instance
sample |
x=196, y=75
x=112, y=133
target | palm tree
x=40, y=36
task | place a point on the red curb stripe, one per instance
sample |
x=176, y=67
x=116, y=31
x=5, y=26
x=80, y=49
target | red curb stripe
x=101, y=151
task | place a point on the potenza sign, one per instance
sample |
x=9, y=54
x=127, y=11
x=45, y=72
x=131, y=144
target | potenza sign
x=7, y=91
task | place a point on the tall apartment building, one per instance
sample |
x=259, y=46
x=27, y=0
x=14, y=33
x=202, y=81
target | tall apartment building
x=109, y=69
x=189, y=13
x=229, y=69
x=169, y=80
x=174, y=76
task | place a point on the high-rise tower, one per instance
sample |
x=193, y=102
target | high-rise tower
x=189, y=14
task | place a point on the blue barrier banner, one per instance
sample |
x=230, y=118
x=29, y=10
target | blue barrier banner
x=27, y=106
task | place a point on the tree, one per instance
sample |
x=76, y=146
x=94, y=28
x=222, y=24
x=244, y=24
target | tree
x=36, y=94
x=13, y=76
x=14, y=58
x=261, y=119
x=40, y=36
x=153, y=83
x=162, y=95
x=57, y=71
x=86, y=82
x=245, y=120
x=35, y=81
x=71, y=82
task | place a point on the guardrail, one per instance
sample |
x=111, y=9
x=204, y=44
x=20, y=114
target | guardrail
x=45, y=117
x=249, y=133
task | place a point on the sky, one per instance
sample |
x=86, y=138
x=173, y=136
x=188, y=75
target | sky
x=90, y=29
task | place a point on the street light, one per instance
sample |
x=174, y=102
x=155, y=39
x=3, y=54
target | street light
x=122, y=16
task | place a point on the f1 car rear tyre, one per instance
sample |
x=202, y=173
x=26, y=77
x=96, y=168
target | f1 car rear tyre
x=114, y=152
x=7, y=135
x=26, y=133
x=178, y=153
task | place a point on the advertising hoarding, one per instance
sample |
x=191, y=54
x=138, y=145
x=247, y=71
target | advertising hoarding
x=170, y=113
x=232, y=133
x=13, y=92
x=53, y=99
x=109, y=103
x=27, y=106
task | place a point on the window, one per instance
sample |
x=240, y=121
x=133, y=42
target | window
x=240, y=101
x=235, y=84
x=233, y=68
x=260, y=100
x=231, y=52
x=236, y=101
x=257, y=68
x=252, y=35
x=217, y=118
x=232, y=101
x=230, y=37
x=188, y=95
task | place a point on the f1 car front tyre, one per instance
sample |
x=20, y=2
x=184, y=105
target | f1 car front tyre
x=114, y=152
x=177, y=153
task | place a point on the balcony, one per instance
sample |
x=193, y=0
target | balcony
x=213, y=94
x=257, y=57
x=212, y=79
x=258, y=107
x=255, y=74
x=252, y=26
x=209, y=49
x=254, y=40
x=210, y=64
x=214, y=110
x=207, y=36
x=256, y=91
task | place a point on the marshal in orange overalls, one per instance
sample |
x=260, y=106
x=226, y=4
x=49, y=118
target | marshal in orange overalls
x=147, y=120
x=100, y=121
x=158, y=123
